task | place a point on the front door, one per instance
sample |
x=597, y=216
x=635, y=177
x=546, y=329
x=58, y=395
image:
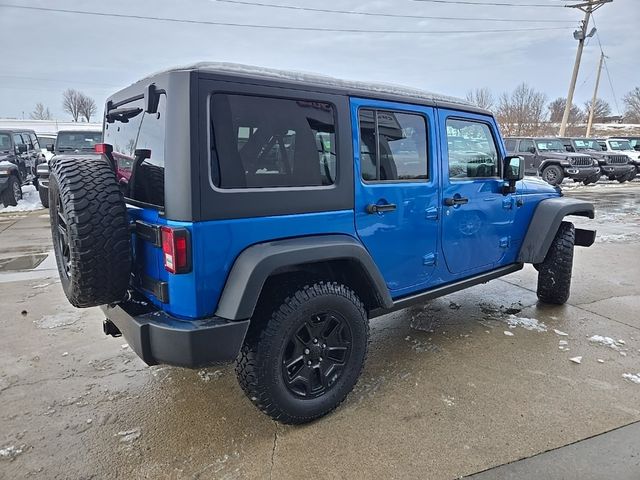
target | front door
x=527, y=150
x=477, y=217
x=396, y=186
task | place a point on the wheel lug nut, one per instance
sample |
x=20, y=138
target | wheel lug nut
x=315, y=340
x=320, y=359
x=306, y=351
x=324, y=345
x=309, y=362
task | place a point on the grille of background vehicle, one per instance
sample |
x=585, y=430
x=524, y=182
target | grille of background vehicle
x=617, y=159
x=581, y=161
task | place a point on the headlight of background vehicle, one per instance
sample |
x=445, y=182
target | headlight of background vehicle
x=595, y=161
x=566, y=162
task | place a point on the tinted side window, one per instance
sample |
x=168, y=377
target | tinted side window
x=34, y=141
x=17, y=139
x=510, y=144
x=472, y=150
x=526, y=146
x=271, y=142
x=399, y=140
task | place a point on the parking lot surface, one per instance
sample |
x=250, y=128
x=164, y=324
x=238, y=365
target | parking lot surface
x=462, y=384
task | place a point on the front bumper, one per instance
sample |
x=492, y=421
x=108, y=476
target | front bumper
x=582, y=173
x=159, y=338
x=616, y=171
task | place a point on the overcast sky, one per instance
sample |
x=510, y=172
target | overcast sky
x=43, y=53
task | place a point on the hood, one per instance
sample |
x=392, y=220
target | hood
x=564, y=155
x=532, y=185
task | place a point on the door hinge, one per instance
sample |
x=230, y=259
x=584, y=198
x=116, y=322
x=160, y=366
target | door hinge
x=431, y=213
x=505, y=242
x=429, y=259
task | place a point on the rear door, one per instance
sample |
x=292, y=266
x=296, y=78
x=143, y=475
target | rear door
x=477, y=217
x=396, y=187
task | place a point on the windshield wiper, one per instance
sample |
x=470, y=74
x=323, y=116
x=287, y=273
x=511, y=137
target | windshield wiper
x=122, y=114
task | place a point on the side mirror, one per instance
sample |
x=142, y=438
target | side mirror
x=22, y=148
x=50, y=147
x=532, y=150
x=513, y=171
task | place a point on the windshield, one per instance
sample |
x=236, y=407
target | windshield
x=550, y=146
x=77, y=140
x=5, y=142
x=587, y=144
x=620, y=145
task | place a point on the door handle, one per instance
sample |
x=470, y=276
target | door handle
x=450, y=202
x=385, y=207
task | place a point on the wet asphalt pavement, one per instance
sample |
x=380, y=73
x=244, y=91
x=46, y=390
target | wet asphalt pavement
x=458, y=386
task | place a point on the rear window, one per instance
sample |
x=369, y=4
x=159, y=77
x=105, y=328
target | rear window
x=136, y=131
x=260, y=142
x=5, y=142
x=72, y=141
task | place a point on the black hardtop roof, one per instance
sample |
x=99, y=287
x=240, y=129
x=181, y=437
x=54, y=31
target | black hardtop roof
x=324, y=83
x=16, y=130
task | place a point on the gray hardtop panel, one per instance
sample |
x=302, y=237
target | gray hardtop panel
x=254, y=265
x=545, y=223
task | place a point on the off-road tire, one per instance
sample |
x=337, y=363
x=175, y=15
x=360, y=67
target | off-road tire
x=554, y=273
x=553, y=175
x=149, y=185
x=259, y=366
x=95, y=264
x=10, y=195
x=44, y=197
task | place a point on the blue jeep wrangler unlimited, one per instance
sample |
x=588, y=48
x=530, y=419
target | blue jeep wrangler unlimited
x=265, y=217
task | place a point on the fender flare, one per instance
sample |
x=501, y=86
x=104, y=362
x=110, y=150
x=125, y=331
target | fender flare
x=545, y=223
x=549, y=161
x=256, y=263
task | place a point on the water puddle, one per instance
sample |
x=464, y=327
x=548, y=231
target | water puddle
x=23, y=262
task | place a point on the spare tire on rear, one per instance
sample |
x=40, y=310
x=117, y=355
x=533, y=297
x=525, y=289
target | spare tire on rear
x=90, y=231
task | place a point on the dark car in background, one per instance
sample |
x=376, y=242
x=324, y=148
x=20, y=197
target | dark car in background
x=548, y=158
x=19, y=157
x=613, y=165
x=67, y=141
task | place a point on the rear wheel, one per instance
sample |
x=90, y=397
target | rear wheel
x=90, y=232
x=12, y=193
x=301, y=362
x=553, y=175
x=554, y=273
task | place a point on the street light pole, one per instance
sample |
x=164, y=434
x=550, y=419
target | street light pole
x=588, y=8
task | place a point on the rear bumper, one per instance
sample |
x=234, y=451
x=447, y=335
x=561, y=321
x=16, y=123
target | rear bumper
x=159, y=338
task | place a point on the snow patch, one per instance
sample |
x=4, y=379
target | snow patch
x=57, y=320
x=207, y=376
x=632, y=377
x=30, y=201
x=449, y=401
x=527, y=323
x=577, y=360
x=605, y=341
x=558, y=332
x=508, y=333
x=10, y=452
x=128, y=436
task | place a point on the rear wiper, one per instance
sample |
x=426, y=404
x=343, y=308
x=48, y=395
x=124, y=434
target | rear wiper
x=122, y=114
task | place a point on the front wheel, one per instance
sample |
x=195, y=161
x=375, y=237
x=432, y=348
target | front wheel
x=553, y=175
x=44, y=197
x=554, y=273
x=12, y=193
x=301, y=362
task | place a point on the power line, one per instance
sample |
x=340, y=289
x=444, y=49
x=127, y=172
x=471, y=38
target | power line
x=491, y=4
x=275, y=27
x=386, y=15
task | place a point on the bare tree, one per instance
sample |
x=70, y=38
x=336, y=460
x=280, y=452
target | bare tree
x=481, y=97
x=521, y=112
x=632, y=105
x=556, y=111
x=71, y=103
x=40, y=112
x=87, y=107
x=602, y=110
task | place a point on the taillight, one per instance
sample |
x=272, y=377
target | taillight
x=103, y=148
x=175, y=249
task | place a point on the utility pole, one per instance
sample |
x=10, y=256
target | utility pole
x=595, y=95
x=581, y=35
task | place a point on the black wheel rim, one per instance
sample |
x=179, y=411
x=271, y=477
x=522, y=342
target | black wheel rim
x=551, y=175
x=315, y=356
x=62, y=239
x=17, y=191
